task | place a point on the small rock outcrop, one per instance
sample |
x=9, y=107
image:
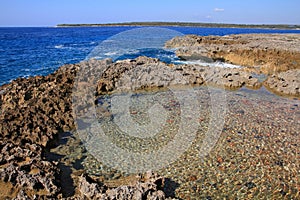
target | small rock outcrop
x=287, y=83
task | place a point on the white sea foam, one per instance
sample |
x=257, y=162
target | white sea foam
x=110, y=53
x=214, y=64
x=58, y=46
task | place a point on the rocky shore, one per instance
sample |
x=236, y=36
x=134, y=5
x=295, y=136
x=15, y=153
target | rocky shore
x=261, y=53
x=269, y=54
x=35, y=111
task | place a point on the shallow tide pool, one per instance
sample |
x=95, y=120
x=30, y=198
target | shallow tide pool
x=245, y=148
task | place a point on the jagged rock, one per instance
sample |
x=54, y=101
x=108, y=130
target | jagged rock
x=150, y=76
x=28, y=179
x=32, y=112
x=89, y=190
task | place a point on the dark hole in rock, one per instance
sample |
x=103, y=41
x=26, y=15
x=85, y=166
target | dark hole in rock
x=52, y=111
x=78, y=163
x=160, y=184
x=28, y=95
x=38, y=186
x=219, y=59
x=62, y=122
x=227, y=75
x=30, y=125
x=169, y=187
x=44, y=100
x=25, y=168
x=24, y=141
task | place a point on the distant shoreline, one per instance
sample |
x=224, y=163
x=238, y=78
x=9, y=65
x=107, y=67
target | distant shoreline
x=186, y=24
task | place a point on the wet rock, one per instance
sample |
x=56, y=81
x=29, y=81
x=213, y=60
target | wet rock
x=145, y=187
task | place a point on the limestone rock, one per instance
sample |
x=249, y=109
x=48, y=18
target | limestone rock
x=287, y=83
x=266, y=53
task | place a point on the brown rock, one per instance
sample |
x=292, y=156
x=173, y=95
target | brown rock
x=267, y=53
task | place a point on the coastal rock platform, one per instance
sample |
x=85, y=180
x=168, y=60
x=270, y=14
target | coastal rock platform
x=261, y=53
x=35, y=111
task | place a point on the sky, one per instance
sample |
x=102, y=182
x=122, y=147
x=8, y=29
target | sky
x=53, y=12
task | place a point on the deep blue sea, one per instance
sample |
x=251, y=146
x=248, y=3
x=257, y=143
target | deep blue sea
x=27, y=52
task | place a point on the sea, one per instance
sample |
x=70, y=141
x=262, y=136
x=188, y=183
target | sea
x=31, y=51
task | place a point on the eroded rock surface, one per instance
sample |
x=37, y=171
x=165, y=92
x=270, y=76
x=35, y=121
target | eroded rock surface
x=145, y=73
x=33, y=111
x=266, y=53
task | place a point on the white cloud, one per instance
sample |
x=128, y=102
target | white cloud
x=219, y=9
x=208, y=17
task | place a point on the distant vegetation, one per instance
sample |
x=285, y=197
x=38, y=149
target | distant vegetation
x=190, y=24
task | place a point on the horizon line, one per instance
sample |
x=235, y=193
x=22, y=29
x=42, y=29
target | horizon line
x=163, y=23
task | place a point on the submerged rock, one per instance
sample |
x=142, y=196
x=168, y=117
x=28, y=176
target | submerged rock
x=147, y=186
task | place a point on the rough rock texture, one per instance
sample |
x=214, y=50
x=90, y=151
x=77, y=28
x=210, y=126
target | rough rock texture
x=287, y=83
x=266, y=53
x=34, y=111
x=144, y=73
x=146, y=186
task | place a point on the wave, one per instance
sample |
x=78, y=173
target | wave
x=59, y=46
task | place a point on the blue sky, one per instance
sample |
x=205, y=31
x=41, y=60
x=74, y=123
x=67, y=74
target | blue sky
x=52, y=12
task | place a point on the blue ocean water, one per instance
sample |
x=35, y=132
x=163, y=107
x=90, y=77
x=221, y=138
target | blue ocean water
x=28, y=52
